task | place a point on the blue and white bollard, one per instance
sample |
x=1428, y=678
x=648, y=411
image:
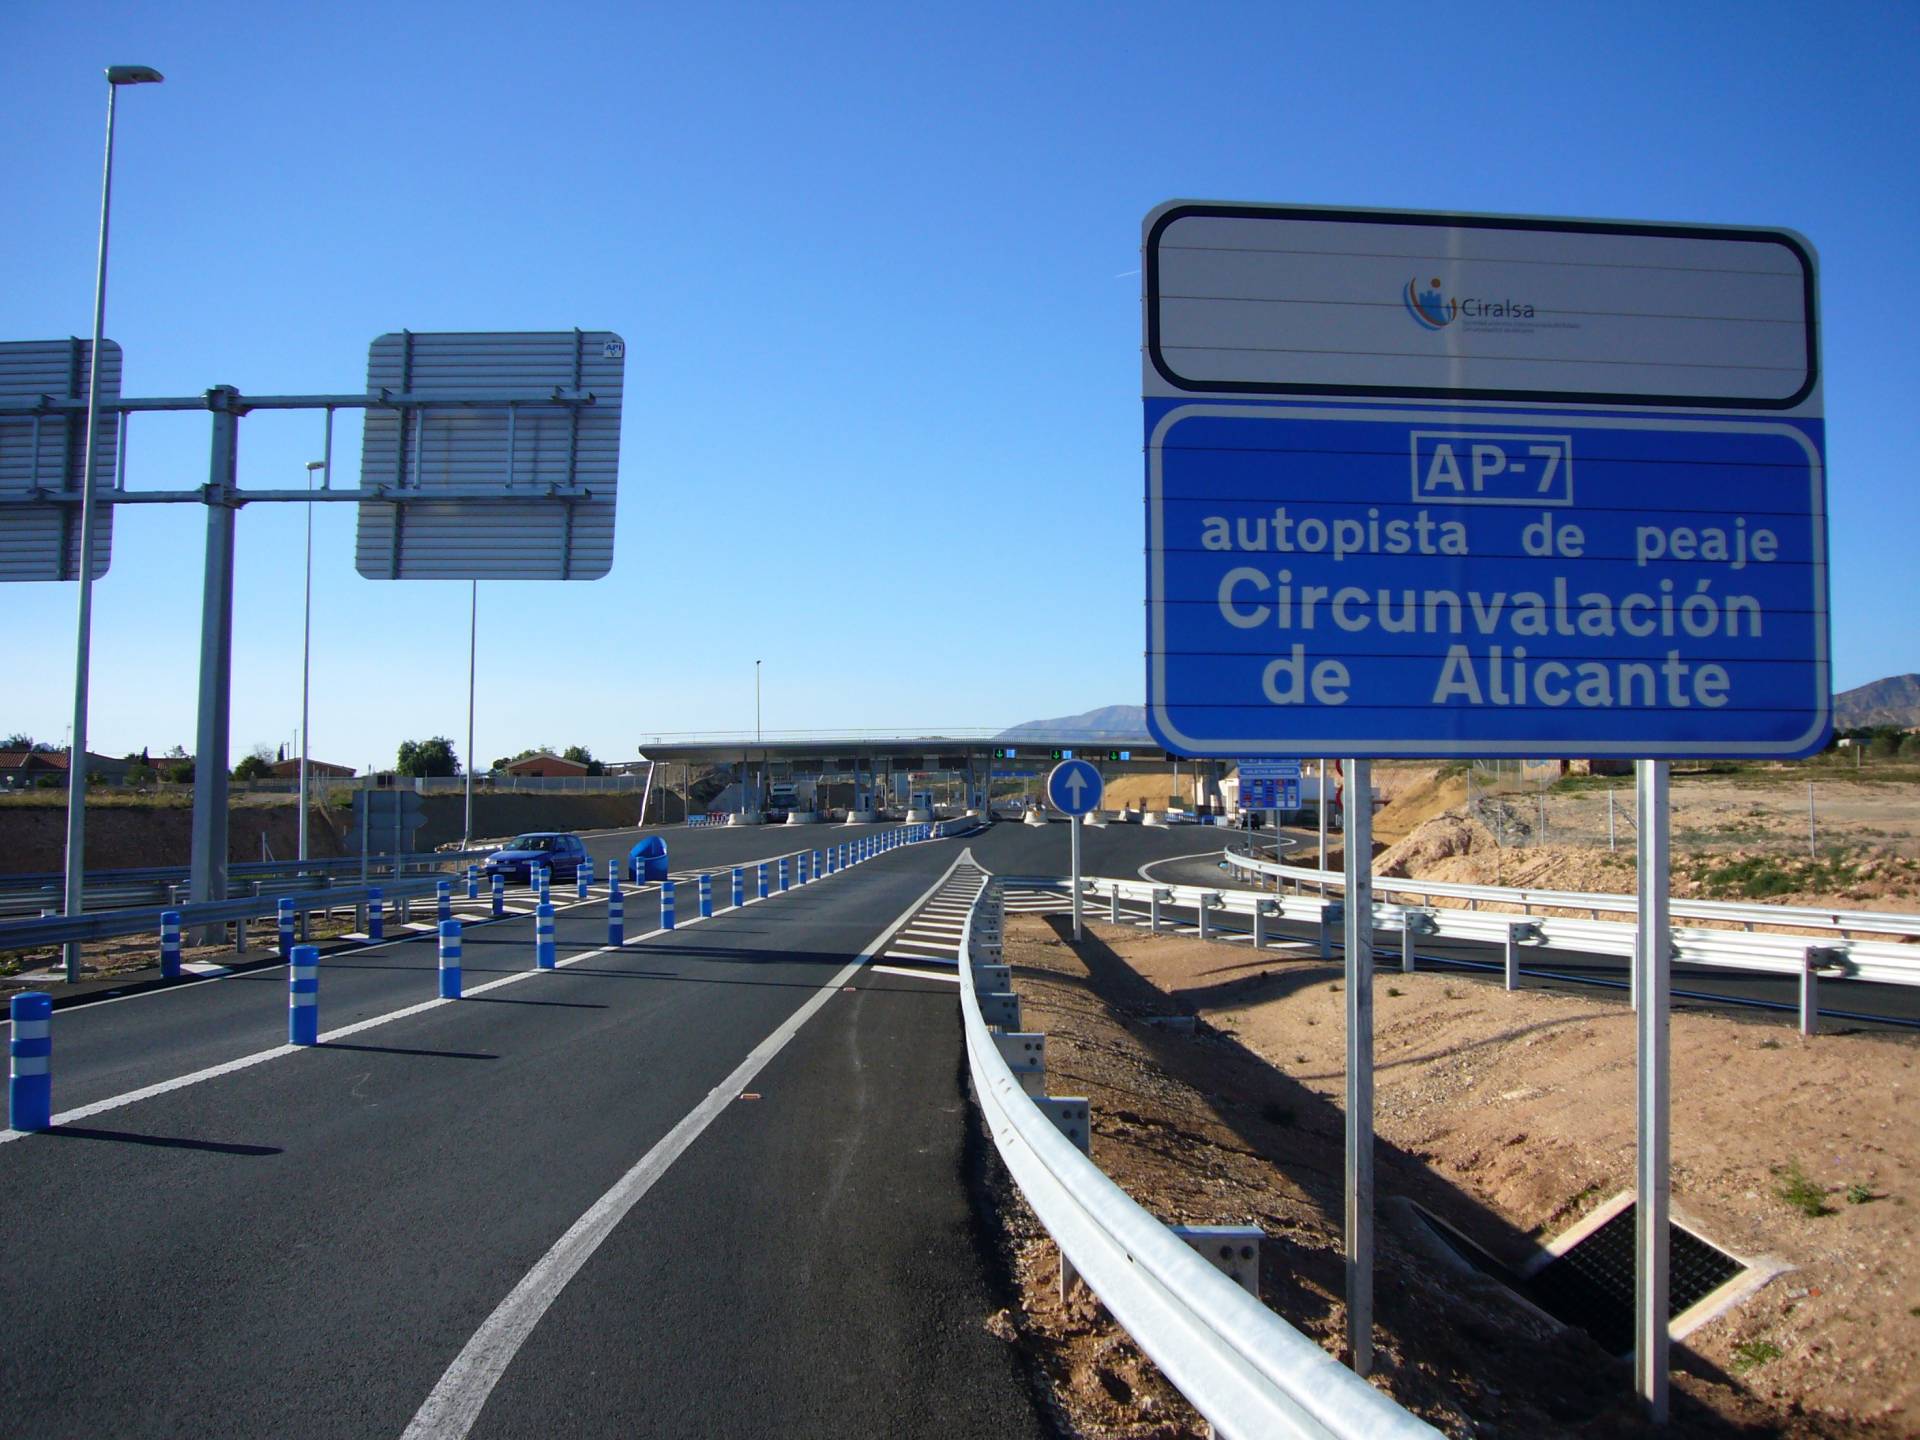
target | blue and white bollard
x=613, y=875
x=542, y=879
x=499, y=895
x=443, y=893
x=30, y=1083
x=706, y=897
x=285, y=918
x=783, y=874
x=473, y=882
x=616, y=920
x=819, y=860
x=666, y=905
x=303, y=996
x=739, y=887
x=582, y=881
x=543, y=957
x=449, y=959
x=170, y=944
x=763, y=879
x=376, y=915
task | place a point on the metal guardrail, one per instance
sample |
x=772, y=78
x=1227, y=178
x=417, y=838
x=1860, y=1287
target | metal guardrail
x=1243, y=1367
x=31, y=894
x=93, y=925
x=1873, y=922
x=1806, y=959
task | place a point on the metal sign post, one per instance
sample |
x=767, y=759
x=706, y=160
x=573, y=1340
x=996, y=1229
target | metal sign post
x=1652, y=962
x=1358, y=863
x=1075, y=788
x=1481, y=485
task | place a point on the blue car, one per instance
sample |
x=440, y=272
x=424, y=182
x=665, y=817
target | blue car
x=562, y=854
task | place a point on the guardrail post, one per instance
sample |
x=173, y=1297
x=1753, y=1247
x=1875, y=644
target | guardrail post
x=1025, y=1052
x=783, y=874
x=543, y=956
x=499, y=895
x=170, y=944
x=1153, y=910
x=1510, y=958
x=1260, y=924
x=763, y=880
x=1113, y=905
x=1406, y=944
x=303, y=996
x=1001, y=1008
x=706, y=897
x=449, y=959
x=30, y=1081
x=1816, y=955
x=616, y=919
x=473, y=882
x=1332, y=917
x=739, y=886
x=443, y=897
x=582, y=880
x=1206, y=917
x=1233, y=1250
x=667, y=916
x=376, y=915
x=1071, y=1116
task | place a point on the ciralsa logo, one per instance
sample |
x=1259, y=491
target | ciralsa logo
x=1430, y=309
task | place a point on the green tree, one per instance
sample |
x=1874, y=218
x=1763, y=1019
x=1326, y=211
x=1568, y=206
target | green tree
x=177, y=772
x=252, y=768
x=581, y=755
x=434, y=757
x=1910, y=747
x=1886, y=744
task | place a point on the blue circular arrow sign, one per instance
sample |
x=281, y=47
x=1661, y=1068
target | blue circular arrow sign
x=1074, y=787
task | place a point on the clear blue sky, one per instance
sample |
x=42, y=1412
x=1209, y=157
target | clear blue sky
x=876, y=268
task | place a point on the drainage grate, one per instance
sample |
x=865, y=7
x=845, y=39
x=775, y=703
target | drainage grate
x=1591, y=1284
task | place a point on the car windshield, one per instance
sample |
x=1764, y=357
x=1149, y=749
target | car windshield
x=536, y=842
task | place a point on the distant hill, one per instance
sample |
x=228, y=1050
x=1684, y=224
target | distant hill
x=1892, y=701
x=1109, y=722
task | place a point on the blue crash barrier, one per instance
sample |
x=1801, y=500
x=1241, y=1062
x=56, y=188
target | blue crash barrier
x=648, y=860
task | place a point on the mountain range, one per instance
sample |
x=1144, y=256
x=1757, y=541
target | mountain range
x=1892, y=701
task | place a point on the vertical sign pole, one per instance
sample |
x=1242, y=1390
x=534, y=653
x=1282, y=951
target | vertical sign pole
x=1074, y=822
x=1358, y=851
x=1813, y=852
x=208, y=876
x=1651, y=1181
x=473, y=650
x=1321, y=887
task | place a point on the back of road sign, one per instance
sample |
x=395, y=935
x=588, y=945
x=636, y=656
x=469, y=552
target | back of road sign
x=1439, y=485
x=1074, y=787
x=43, y=454
x=518, y=437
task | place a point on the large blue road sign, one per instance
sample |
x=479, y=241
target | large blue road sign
x=1074, y=787
x=1638, y=569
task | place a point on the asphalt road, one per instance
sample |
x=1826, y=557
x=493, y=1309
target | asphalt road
x=771, y=1135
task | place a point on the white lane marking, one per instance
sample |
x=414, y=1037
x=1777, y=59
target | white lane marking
x=913, y=974
x=456, y=1401
x=1142, y=872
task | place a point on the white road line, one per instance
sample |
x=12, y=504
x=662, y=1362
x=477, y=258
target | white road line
x=450, y=1411
x=914, y=974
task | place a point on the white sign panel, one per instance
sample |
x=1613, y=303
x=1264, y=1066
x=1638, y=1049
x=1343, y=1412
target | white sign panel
x=1270, y=300
x=503, y=451
x=45, y=454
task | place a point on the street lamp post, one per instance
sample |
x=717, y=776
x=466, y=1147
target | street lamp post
x=117, y=75
x=759, y=737
x=306, y=658
x=473, y=643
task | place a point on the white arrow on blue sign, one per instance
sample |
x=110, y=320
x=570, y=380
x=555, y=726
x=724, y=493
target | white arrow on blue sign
x=1074, y=787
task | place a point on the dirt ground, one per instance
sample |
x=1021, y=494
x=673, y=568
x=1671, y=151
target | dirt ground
x=1509, y=1116
x=1741, y=835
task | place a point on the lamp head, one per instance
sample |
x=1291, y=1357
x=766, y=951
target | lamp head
x=316, y=464
x=133, y=75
